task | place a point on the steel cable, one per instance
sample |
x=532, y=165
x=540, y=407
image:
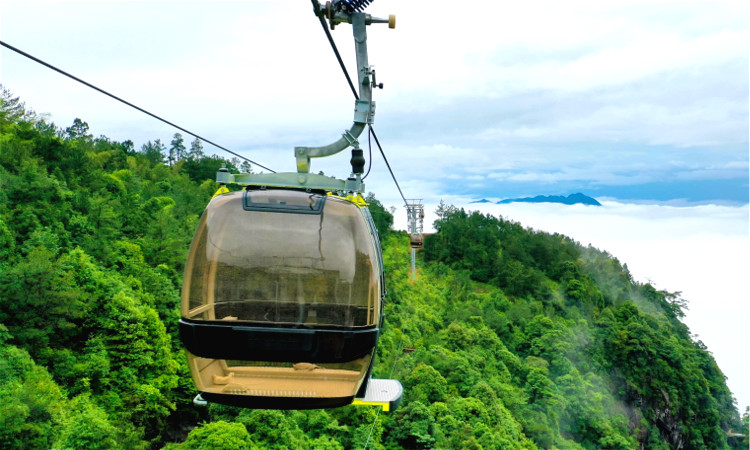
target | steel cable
x=50, y=66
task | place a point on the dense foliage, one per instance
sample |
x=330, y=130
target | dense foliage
x=508, y=339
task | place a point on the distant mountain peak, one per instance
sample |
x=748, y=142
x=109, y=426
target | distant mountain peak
x=571, y=199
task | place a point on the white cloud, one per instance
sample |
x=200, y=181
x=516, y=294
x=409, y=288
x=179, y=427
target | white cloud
x=578, y=46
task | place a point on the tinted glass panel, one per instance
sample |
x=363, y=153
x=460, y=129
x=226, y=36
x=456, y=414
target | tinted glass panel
x=273, y=266
x=283, y=201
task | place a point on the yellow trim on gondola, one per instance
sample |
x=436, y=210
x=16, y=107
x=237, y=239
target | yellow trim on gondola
x=356, y=199
x=385, y=405
x=222, y=190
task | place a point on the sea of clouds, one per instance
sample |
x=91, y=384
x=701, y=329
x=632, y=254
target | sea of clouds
x=701, y=251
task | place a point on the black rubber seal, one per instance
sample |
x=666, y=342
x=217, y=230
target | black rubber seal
x=256, y=343
x=249, y=401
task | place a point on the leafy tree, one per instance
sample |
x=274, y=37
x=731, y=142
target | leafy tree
x=425, y=384
x=12, y=109
x=196, y=150
x=200, y=170
x=383, y=218
x=176, y=149
x=413, y=427
x=154, y=152
x=87, y=428
x=33, y=406
x=217, y=435
x=79, y=130
x=273, y=428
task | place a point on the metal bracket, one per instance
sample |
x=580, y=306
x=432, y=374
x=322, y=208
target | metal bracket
x=296, y=180
x=351, y=139
x=375, y=84
x=364, y=112
x=383, y=393
x=364, y=108
x=354, y=184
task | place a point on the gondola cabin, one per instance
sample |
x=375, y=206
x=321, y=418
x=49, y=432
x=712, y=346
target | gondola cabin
x=281, y=302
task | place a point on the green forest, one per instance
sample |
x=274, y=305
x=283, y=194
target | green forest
x=508, y=338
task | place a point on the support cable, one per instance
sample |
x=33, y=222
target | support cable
x=369, y=435
x=389, y=166
x=50, y=66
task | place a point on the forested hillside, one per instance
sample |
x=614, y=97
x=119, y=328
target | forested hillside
x=508, y=339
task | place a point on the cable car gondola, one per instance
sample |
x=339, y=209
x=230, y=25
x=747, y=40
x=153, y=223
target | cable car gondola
x=283, y=288
x=282, y=299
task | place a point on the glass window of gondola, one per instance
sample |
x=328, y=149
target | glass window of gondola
x=283, y=258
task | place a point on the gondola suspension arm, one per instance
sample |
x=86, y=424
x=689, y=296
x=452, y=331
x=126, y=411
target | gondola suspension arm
x=340, y=11
x=364, y=107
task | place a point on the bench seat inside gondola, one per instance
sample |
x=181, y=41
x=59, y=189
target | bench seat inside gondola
x=290, y=380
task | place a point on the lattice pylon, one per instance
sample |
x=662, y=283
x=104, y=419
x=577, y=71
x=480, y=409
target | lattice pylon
x=415, y=217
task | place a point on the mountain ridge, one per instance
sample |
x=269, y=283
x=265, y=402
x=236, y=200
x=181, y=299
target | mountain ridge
x=572, y=199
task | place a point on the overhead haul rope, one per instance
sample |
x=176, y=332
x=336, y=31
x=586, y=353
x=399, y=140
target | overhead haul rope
x=369, y=435
x=35, y=59
x=316, y=10
x=377, y=141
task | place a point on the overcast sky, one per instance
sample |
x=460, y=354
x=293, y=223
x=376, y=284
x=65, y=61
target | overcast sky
x=641, y=103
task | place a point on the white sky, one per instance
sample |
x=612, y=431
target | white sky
x=481, y=99
x=515, y=98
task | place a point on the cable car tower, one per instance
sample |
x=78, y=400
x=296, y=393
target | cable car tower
x=283, y=288
x=415, y=217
